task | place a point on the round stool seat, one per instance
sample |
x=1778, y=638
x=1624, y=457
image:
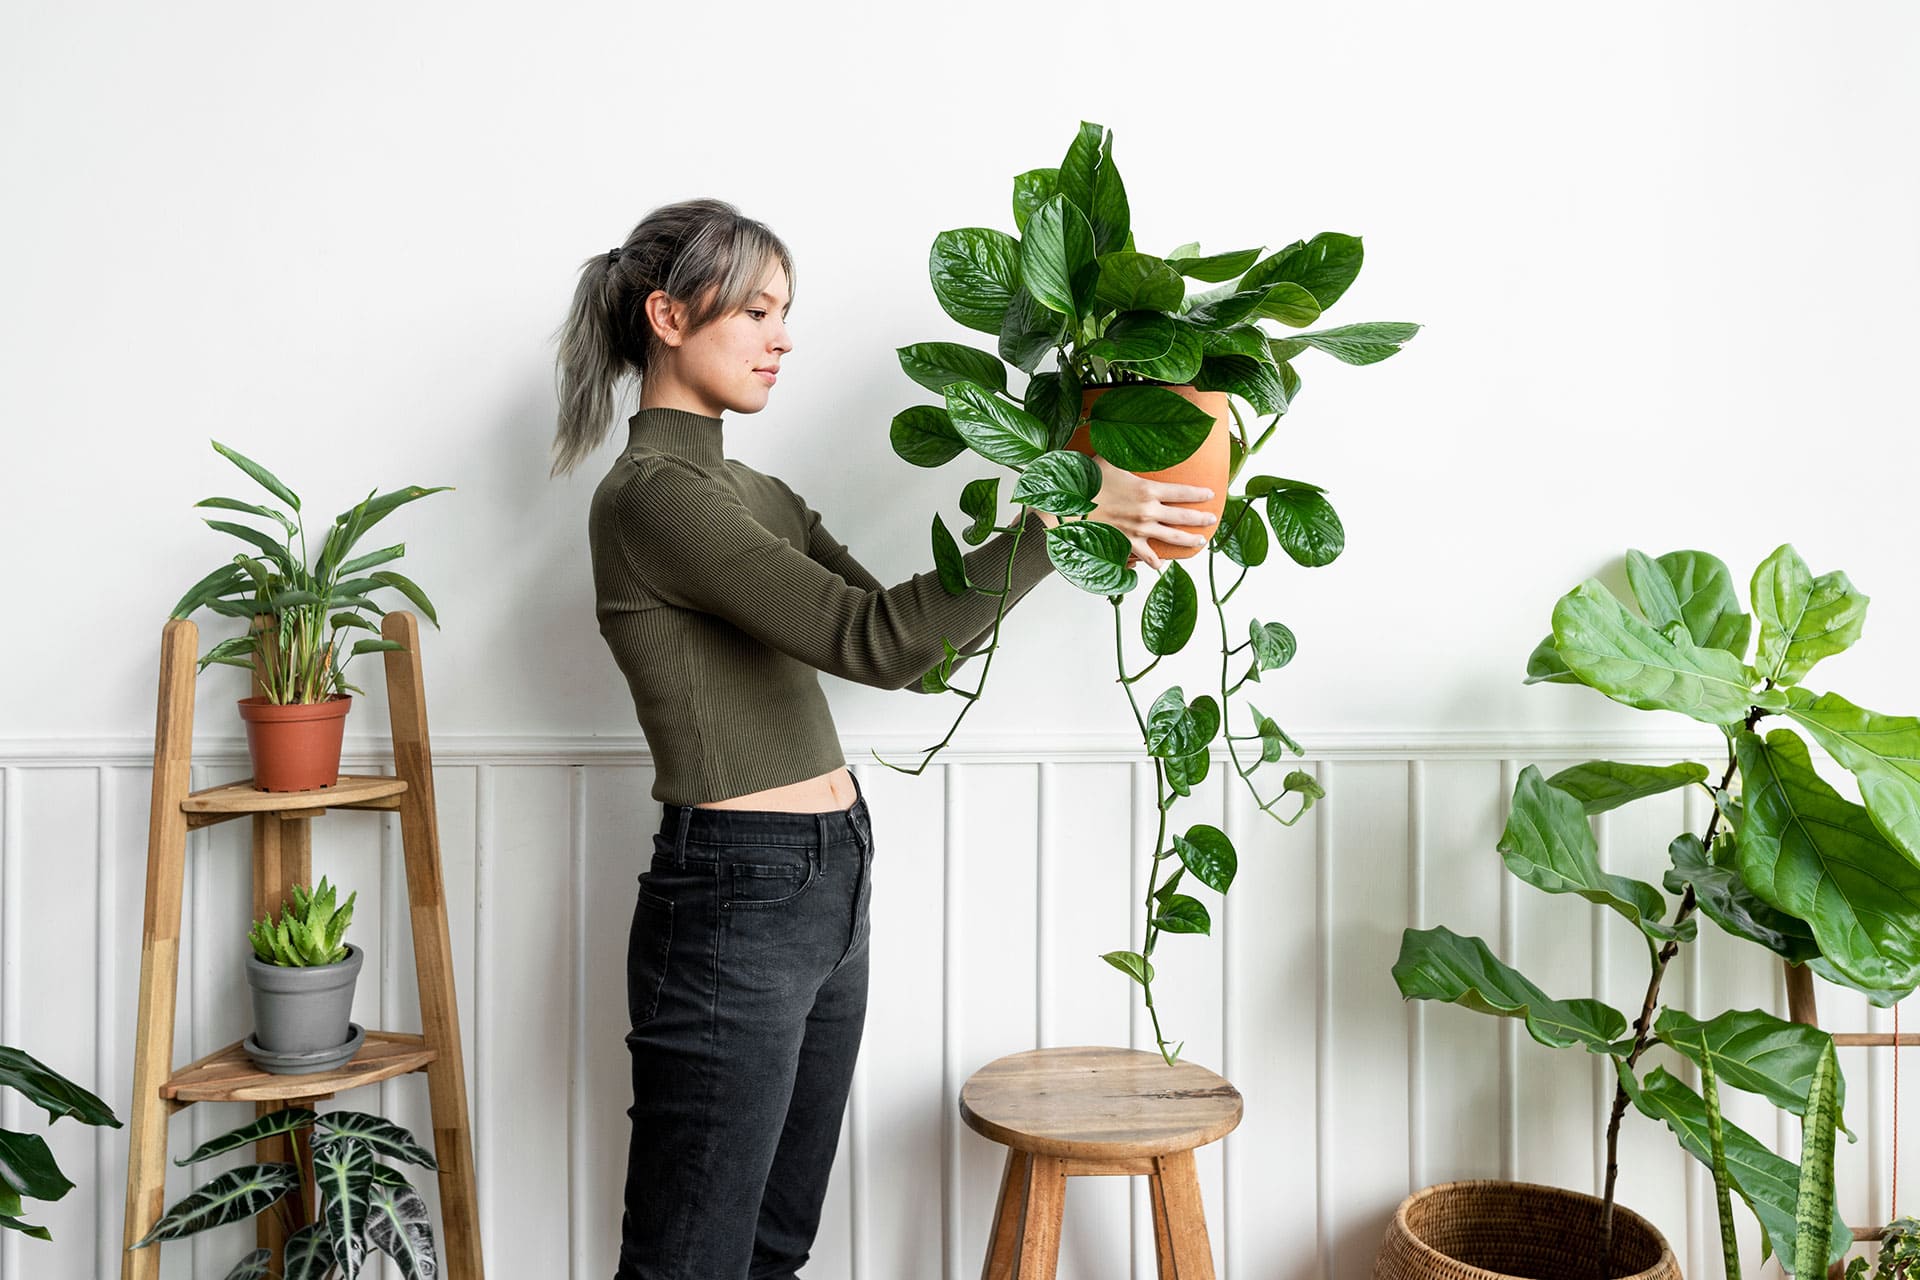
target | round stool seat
x=1097, y=1102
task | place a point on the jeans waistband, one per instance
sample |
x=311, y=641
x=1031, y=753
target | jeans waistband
x=682, y=824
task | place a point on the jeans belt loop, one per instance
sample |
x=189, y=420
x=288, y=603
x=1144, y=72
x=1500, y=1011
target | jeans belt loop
x=680, y=836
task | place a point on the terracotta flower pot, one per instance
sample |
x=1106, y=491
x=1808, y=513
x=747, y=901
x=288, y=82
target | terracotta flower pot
x=1207, y=467
x=295, y=746
x=1490, y=1230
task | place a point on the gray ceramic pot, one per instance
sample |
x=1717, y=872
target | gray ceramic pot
x=301, y=1009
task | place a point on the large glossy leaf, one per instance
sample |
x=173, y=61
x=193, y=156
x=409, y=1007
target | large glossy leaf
x=924, y=436
x=1695, y=590
x=1092, y=555
x=947, y=560
x=1548, y=844
x=1180, y=362
x=246, y=1135
x=1600, y=785
x=1108, y=212
x=1545, y=666
x=1359, y=343
x=1241, y=535
x=1727, y=901
x=1061, y=481
x=1175, y=728
x=50, y=1091
x=936, y=364
x=1077, y=167
x=1180, y=914
x=1813, y=1205
x=981, y=500
x=1058, y=263
x=1767, y=1182
x=234, y=1196
x=1306, y=526
x=1031, y=190
x=1171, y=609
x=1184, y=773
x=381, y=1136
x=1028, y=331
x=994, y=429
x=1135, y=335
x=343, y=1174
x=255, y=1266
x=1324, y=266
x=1808, y=851
x=1137, y=281
x=1273, y=646
x=398, y=1226
x=1214, y=267
x=309, y=1253
x=28, y=1166
x=1254, y=380
x=1630, y=662
x=975, y=271
x=1754, y=1051
x=1882, y=752
x=1439, y=964
x=1208, y=853
x=1802, y=618
x=1146, y=428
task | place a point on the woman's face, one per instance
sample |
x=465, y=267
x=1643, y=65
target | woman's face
x=729, y=363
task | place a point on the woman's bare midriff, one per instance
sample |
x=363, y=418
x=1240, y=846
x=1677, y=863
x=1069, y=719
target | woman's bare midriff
x=830, y=791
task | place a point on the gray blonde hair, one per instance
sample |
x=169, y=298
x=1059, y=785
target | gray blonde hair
x=703, y=252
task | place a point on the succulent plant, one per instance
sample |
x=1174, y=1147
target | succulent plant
x=309, y=930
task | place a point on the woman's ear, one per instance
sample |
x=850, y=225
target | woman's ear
x=666, y=317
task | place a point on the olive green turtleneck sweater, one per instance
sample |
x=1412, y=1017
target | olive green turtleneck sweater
x=723, y=596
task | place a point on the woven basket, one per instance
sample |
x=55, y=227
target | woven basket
x=1502, y=1230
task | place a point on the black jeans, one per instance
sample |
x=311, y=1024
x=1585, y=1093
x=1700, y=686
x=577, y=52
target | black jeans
x=747, y=996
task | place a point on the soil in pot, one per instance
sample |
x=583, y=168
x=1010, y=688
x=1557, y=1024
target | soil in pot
x=295, y=746
x=1206, y=467
x=1489, y=1230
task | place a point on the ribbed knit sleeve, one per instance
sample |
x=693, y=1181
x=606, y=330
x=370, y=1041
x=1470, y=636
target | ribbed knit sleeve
x=692, y=542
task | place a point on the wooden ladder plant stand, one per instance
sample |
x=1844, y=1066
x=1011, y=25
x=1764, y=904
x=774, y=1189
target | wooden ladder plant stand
x=282, y=857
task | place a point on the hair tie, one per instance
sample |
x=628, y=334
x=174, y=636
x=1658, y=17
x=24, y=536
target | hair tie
x=613, y=256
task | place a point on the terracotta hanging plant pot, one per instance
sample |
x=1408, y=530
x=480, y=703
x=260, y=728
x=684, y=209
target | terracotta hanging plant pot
x=1206, y=467
x=295, y=746
x=1490, y=1230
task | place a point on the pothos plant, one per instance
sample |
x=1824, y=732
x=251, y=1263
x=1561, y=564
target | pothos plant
x=315, y=606
x=361, y=1204
x=1071, y=291
x=1785, y=861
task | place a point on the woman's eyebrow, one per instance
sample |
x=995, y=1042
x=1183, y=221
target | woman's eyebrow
x=770, y=298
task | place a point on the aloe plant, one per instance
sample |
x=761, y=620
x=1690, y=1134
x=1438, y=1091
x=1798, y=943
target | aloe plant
x=314, y=608
x=1785, y=861
x=362, y=1205
x=28, y=1170
x=309, y=930
x=1071, y=286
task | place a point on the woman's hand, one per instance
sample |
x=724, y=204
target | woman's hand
x=1138, y=508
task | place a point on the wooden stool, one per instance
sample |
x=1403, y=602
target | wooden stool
x=1091, y=1110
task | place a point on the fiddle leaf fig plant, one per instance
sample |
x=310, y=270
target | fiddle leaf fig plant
x=1785, y=862
x=1072, y=303
x=314, y=607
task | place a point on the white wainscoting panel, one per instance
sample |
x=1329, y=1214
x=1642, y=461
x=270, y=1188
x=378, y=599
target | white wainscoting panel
x=1000, y=875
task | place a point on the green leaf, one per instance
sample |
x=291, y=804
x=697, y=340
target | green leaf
x=1768, y=1183
x=1208, y=853
x=923, y=435
x=343, y=1175
x=1135, y=336
x=1179, y=364
x=1108, y=211
x=1813, y=1205
x=1137, y=282
x=278, y=553
x=1600, y=785
x=1215, y=267
x=372, y=558
x=1807, y=851
x=1729, y=903
x=252, y=509
x=981, y=500
x=411, y=591
x=1274, y=741
x=948, y=561
x=934, y=365
x=1324, y=266
x=1548, y=844
x=1802, y=618
x=1882, y=752
x=374, y=510
x=1131, y=963
x=309, y=1253
x=1241, y=535
x=12, y=1222
x=1238, y=340
x=994, y=429
x=398, y=1226
x=1306, y=785
x=1754, y=1051
x=52, y=1092
x=27, y=1165
x=1181, y=914
x=1171, y=609
x=1359, y=343
x=1147, y=428
x=263, y=477
x=1438, y=964
x=1078, y=166
x=1092, y=556
x=1306, y=526
x=228, y=577
x=1175, y=728
x=1254, y=380
x=234, y=1196
x=1046, y=399
x=975, y=272
x=1060, y=481
x=1630, y=662
x=1031, y=190
x=381, y=1136
x=1184, y=773
x=266, y=1126
x=1273, y=645
x=1058, y=264
x=255, y=1266
x=1028, y=331
x=1694, y=589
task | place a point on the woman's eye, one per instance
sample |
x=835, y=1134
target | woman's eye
x=757, y=315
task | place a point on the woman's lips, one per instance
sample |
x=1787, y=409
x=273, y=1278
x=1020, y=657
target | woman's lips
x=768, y=374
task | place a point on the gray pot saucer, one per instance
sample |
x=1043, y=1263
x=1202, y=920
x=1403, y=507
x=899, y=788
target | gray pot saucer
x=308, y=1062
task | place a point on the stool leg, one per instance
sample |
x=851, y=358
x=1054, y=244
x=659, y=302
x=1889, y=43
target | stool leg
x=1004, y=1246
x=1184, y=1243
x=1046, y=1199
x=1162, y=1234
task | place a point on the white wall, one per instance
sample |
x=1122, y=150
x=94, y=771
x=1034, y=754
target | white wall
x=1664, y=254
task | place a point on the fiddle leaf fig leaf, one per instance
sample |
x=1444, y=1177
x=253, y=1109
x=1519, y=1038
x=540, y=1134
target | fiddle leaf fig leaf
x=1545, y=666
x=1548, y=844
x=1092, y=556
x=1802, y=618
x=1809, y=852
x=937, y=365
x=1171, y=609
x=1060, y=481
x=1729, y=903
x=1209, y=854
x=1882, y=753
x=1439, y=964
x=1755, y=1051
x=1630, y=662
x=975, y=272
x=1600, y=785
x=1695, y=590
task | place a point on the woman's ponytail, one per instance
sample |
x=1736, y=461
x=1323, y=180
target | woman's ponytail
x=589, y=366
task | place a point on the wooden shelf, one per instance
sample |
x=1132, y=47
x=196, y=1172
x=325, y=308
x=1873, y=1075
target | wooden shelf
x=233, y=799
x=229, y=1075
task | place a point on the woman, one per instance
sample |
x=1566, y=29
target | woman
x=722, y=597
